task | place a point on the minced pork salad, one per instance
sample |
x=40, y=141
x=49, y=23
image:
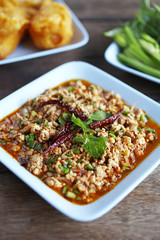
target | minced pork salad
x=78, y=139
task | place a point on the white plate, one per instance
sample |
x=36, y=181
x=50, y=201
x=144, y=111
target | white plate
x=92, y=74
x=111, y=55
x=26, y=50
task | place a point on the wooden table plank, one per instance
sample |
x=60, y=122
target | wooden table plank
x=23, y=214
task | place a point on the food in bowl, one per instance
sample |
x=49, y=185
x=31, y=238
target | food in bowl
x=79, y=139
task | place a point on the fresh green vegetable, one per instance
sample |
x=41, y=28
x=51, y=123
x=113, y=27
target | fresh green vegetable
x=126, y=168
x=69, y=155
x=139, y=40
x=50, y=160
x=78, y=198
x=64, y=118
x=38, y=147
x=125, y=112
x=151, y=130
x=70, y=89
x=112, y=134
x=3, y=142
x=144, y=118
x=79, y=122
x=69, y=161
x=138, y=65
x=76, y=191
x=64, y=168
x=76, y=150
x=61, y=121
x=21, y=121
x=80, y=160
x=70, y=194
x=89, y=167
x=64, y=190
x=29, y=139
x=99, y=115
x=45, y=124
x=94, y=146
x=39, y=121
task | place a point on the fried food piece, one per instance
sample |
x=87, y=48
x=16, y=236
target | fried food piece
x=30, y=7
x=51, y=26
x=13, y=24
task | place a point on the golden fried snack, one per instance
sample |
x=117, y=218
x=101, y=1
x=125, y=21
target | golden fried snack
x=30, y=7
x=13, y=24
x=51, y=26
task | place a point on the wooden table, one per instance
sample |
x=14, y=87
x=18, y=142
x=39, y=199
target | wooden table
x=25, y=215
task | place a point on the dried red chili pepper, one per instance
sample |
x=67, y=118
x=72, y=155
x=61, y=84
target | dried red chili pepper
x=66, y=128
x=62, y=139
x=106, y=121
x=66, y=106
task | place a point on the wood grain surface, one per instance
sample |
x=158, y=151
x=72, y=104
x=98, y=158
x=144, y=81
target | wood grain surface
x=25, y=215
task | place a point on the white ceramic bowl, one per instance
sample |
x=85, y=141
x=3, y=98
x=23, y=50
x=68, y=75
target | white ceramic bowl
x=94, y=75
x=111, y=55
x=26, y=50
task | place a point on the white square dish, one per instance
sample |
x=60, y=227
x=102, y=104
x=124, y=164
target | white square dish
x=82, y=70
x=26, y=49
x=111, y=55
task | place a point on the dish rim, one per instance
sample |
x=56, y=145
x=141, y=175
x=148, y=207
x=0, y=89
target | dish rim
x=88, y=72
x=110, y=56
x=41, y=53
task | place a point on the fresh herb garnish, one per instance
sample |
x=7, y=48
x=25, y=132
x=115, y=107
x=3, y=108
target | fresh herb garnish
x=3, y=142
x=91, y=104
x=99, y=115
x=50, y=160
x=69, y=161
x=29, y=139
x=94, y=146
x=45, y=124
x=144, y=118
x=125, y=112
x=76, y=191
x=64, y=118
x=70, y=89
x=21, y=121
x=61, y=121
x=38, y=147
x=64, y=168
x=112, y=134
x=79, y=123
x=151, y=130
x=64, y=190
x=76, y=150
x=70, y=194
x=78, y=198
x=126, y=168
x=139, y=129
x=39, y=121
x=69, y=155
x=89, y=167
x=80, y=160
